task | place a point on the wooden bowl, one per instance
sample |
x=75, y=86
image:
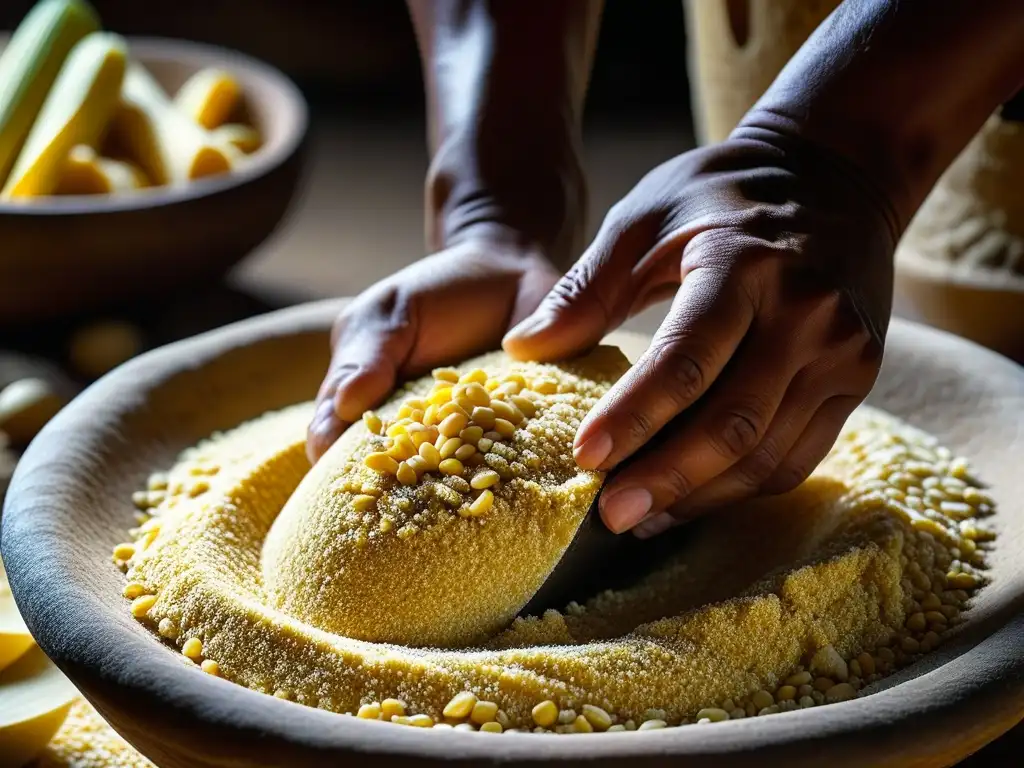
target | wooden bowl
x=69, y=503
x=986, y=307
x=63, y=255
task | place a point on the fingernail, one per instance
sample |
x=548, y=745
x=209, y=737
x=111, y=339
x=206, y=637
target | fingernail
x=335, y=379
x=594, y=451
x=530, y=326
x=652, y=526
x=623, y=509
x=324, y=429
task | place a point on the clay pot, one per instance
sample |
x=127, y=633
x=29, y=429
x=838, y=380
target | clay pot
x=70, y=502
x=960, y=265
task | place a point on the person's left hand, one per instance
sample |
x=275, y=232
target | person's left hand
x=780, y=261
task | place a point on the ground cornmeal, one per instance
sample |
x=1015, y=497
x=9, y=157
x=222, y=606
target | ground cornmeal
x=87, y=741
x=398, y=554
x=825, y=590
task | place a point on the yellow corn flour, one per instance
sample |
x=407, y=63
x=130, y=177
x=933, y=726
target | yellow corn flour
x=86, y=741
x=340, y=595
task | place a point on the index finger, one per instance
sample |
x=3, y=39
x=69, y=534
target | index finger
x=710, y=316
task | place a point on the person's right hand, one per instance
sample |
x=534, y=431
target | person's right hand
x=441, y=309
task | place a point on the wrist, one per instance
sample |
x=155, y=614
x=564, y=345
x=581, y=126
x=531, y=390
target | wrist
x=839, y=181
x=526, y=189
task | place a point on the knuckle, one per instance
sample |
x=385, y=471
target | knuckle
x=675, y=482
x=739, y=430
x=638, y=427
x=569, y=286
x=786, y=477
x=759, y=465
x=681, y=370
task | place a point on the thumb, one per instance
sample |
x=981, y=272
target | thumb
x=591, y=299
x=369, y=346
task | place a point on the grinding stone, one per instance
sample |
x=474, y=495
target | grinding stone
x=70, y=502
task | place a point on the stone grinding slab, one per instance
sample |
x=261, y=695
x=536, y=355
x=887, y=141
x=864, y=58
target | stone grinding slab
x=70, y=501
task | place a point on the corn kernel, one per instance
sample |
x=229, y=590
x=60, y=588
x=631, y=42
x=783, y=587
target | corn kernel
x=582, y=725
x=597, y=717
x=418, y=463
x=141, y=606
x=430, y=415
x=713, y=714
x=491, y=727
x=544, y=386
x=381, y=462
x=867, y=663
x=133, y=590
x=822, y=684
x=477, y=375
x=464, y=452
x=452, y=424
x=406, y=475
x=503, y=410
x=363, y=502
x=482, y=504
x=484, y=479
x=448, y=447
x=124, y=552
x=421, y=721
x=477, y=395
x=451, y=467
x=430, y=455
x=392, y=708
x=439, y=399
x=192, y=649
x=373, y=423
x=445, y=374
x=460, y=706
x=961, y=581
x=525, y=405
x=785, y=693
x=504, y=427
x=449, y=408
x=545, y=714
x=840, y=692
x=471, y=435
x=483, y=417
x=210, y=667
x=369, y=711
x=483, y=712
x=398, y=428
x=402, y=447
x=652, y=725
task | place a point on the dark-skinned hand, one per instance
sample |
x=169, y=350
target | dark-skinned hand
x=441, y=309
x=779, y=262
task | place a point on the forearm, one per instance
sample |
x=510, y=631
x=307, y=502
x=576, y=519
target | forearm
x=898, y=88
x=506, y=82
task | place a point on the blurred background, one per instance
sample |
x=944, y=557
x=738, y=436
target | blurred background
x=360, y=214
